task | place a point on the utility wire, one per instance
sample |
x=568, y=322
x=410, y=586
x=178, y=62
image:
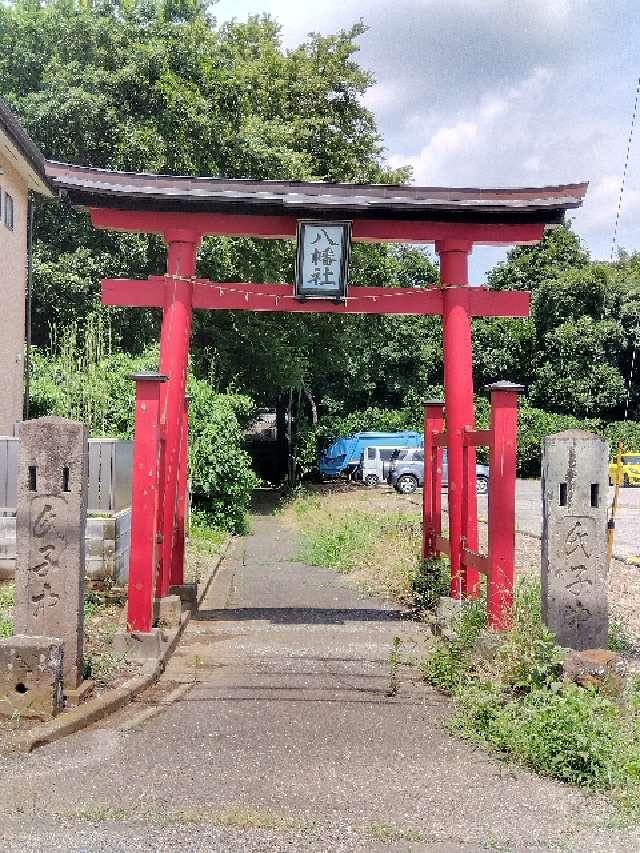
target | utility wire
x=614, y=238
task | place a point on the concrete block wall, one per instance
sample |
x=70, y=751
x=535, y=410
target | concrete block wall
x=107, y=543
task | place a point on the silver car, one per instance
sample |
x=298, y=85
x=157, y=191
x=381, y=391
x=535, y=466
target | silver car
x=406, y=471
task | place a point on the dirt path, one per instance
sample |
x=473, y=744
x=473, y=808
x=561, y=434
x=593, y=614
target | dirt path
x=278, y=726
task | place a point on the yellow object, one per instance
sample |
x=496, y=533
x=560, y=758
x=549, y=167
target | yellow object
x=626, y=471
x=617, y=478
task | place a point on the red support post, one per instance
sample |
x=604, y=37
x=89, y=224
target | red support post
x=144, y=500
x=459, y=407
x=502, y=502
x=176, y=577
x=433, y=422
x=182, y=247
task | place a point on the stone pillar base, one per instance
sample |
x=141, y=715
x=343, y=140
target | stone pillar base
x=188, y=594
x=75, y=696
x=138, y=647
x=488, y=643
x=167, y=611
x=445, y=616
x=31, y=677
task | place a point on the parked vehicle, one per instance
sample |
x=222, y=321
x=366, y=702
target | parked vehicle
x=375, y=464
x=406, y=472
x=630, y=472
x=344, y=455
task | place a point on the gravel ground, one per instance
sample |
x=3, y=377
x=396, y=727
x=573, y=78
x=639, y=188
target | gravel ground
x=290, y=734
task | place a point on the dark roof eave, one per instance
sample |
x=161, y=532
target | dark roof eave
x=548, y=215
x=11, y=126
x=89, y=187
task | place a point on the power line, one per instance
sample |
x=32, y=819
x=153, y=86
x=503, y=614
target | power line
x=614, y=238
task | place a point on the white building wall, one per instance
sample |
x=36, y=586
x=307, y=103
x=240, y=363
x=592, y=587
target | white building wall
x=13, y=280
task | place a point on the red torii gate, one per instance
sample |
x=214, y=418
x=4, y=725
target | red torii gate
x=184, y=210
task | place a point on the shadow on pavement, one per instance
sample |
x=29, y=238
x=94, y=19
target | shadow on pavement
x=265, y=501
x=299, y=615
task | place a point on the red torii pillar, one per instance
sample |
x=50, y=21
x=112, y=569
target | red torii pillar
x=459, y=409
x=182, y=248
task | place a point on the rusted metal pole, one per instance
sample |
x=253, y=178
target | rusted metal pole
x=502, y=503
x=459, y=407
x=144, y=501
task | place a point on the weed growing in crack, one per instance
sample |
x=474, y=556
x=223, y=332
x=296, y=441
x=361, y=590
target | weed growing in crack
x=394, y=660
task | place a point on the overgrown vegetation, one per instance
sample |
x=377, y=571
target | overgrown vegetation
x=378, y=548
x=7, y=600
x=341, y=544
x=102, y=617
x=518, y=703
x=204, y=542
x=82, y=377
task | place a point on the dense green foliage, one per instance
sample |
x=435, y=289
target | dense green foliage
x=83, y=378
x=575, y=352
x=519, y=703
x=222, y=479
x=162, y=87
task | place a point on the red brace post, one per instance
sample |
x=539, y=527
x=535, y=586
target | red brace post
x=176, y=577
x=432, y=485
x=144, y=502
x=459, y=406
x=502, y=502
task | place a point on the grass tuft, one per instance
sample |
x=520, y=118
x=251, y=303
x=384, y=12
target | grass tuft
x=390, y=833
x=7, y=601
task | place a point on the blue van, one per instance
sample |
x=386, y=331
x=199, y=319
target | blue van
x=343, y=456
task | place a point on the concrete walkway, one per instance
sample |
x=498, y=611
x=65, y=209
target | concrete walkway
x=278, y=726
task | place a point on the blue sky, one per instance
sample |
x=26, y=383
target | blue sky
x=497, y=93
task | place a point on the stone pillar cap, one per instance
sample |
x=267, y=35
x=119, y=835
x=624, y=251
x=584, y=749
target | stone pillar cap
x=434, y=402
x=148, y=376
x=504, y=385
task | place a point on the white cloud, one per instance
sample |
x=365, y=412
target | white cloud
x=497, y=92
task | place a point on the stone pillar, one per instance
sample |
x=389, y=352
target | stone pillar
x=50, y=525
x=574, y=538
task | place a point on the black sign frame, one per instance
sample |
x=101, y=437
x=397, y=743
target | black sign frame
x=305, y=291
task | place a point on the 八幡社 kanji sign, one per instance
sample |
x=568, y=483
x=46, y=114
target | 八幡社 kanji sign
x=322, y=260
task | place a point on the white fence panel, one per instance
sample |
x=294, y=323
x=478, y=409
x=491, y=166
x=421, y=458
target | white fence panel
x=110, y=466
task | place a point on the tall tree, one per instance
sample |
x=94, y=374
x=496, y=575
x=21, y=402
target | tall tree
x=160, y=87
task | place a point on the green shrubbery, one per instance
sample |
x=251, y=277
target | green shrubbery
x=222, y=478
x=570, y=733
x=519, y=704
x=7, y=600
x=430, y=580
x=85, y=379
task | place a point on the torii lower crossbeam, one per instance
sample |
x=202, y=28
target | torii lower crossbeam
x=279, y=297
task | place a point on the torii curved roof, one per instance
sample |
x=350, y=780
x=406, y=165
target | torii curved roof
x=89, y=187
